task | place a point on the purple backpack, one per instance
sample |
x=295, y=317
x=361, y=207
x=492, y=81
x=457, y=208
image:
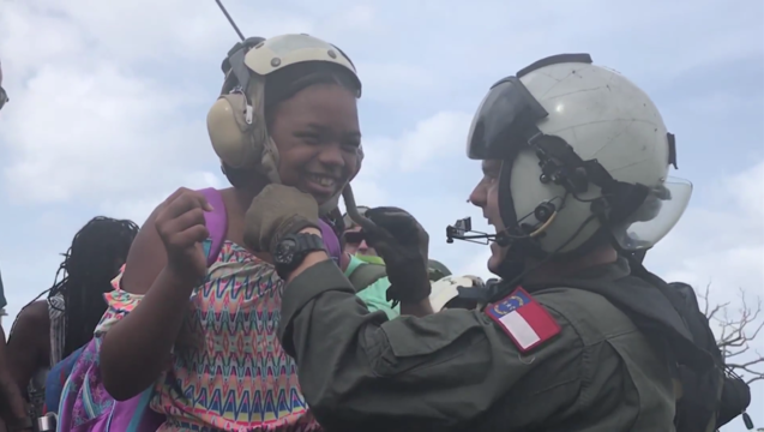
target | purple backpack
x=217, y=224
x=86, y=406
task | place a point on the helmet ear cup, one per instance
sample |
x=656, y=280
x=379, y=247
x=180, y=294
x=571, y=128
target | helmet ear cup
x=227, y=129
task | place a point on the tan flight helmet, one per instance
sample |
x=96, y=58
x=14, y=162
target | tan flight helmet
x=236, y=122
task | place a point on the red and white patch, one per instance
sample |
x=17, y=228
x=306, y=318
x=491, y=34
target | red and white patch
x=526, y=322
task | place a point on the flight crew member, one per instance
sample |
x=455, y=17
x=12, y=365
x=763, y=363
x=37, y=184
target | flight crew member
x=581, y=345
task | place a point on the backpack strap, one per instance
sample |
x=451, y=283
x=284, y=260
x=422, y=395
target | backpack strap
x=366, y=274
x=217, y=223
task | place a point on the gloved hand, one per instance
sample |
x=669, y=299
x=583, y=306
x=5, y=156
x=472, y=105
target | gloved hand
x=402, y=242
x=276, y=212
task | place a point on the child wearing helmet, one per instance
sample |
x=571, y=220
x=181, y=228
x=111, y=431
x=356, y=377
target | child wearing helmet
x=204, y=336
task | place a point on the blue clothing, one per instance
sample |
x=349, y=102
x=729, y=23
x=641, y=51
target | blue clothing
x=57, y=376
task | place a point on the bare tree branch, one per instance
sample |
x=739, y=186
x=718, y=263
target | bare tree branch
x=712, y=312
x=738, y=328
x=747, y=364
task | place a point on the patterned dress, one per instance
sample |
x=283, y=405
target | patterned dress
x=229, y=371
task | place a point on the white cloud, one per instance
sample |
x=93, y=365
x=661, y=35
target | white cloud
x=475, y=43
x=358, y=16
x=379, y=156
x=443, y=134
x=719, y=103
x=383, y=81
x=139, y=30
x=723, y=243
x=84, y=125
x=138, y=209
x=437, y=137
x=94, y=132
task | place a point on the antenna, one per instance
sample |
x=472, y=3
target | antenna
x=230, y=20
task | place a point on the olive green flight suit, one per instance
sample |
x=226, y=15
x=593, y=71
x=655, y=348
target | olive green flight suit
x=459, y=370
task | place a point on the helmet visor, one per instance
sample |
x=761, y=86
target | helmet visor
x=658, y=215
x=505, y=121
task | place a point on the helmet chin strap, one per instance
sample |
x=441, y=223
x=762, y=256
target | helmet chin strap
x=513, y=271
x=330, y=205
x=510, y=269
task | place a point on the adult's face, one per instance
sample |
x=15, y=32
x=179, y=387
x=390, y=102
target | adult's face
x=355, y=243
x=486, y=196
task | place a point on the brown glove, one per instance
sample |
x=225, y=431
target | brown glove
x=276, y=212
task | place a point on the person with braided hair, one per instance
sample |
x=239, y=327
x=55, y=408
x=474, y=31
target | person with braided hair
x=12, y=406
x=47, y=331
x=3, y=95
x=11, y=401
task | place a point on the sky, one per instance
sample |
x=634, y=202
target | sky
x=109, y=100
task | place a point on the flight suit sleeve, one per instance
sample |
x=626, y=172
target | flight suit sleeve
x=360, y=371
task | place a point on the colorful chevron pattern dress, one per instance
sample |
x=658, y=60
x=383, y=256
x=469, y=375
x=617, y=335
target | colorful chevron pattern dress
x=229, y=371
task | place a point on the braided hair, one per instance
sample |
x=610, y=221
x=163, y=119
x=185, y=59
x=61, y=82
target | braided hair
x=92, y=261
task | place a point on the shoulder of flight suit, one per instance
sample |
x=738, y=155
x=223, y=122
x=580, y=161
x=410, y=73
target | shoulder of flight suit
x=360, y=371
x=592, y=315
x=632, y=366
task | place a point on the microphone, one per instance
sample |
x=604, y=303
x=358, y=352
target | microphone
x=502, y=239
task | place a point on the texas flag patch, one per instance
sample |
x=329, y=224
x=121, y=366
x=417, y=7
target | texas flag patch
x=525, y=321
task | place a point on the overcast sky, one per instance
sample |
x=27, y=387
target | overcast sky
x=109, y=99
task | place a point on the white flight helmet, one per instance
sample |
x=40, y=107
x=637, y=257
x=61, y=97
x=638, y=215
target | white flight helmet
x=236, y=122
x=447, y=288
x=584, y=150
